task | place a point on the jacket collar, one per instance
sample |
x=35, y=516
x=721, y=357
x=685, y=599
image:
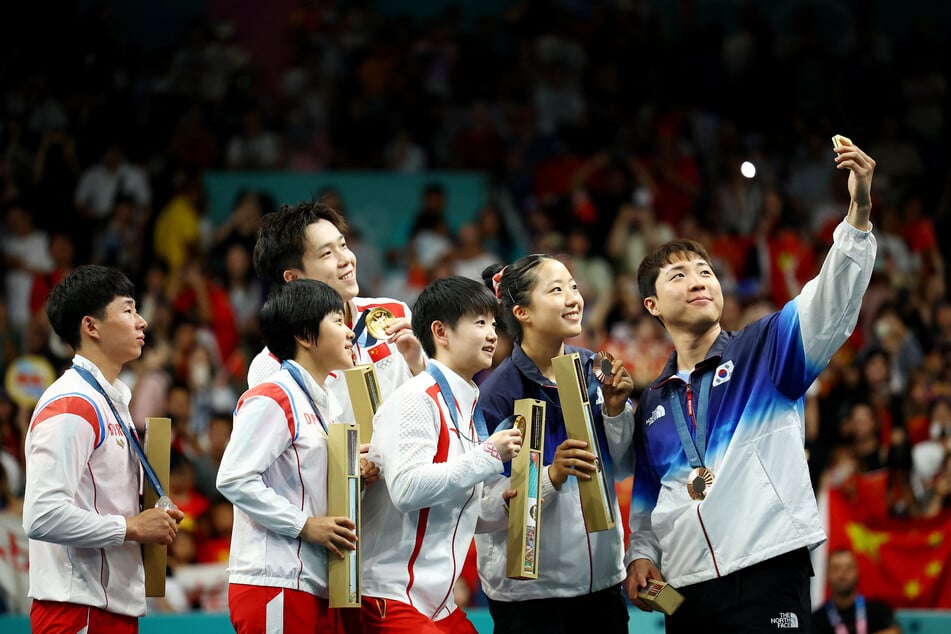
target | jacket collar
x=713, y=357
x=528, y=368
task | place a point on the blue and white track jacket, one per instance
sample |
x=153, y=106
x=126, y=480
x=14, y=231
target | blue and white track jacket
x=761, y=503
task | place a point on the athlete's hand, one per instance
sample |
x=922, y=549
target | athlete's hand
x=333, y=533
x=369, y=471
x=507, y=442
x=638, y=572
x=617, y=390
x=401, y=334
x=571, y=459
x=153, y=526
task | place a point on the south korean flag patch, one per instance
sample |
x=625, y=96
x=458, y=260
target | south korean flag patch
x=723, y=373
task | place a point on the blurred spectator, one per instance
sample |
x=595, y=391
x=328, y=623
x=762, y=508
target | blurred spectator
x=195, y=294
x=214, y=545
x=182, y=489
x=932, y=468
x=119, y=242
x=101, y=183
x=783, y=252
x=241, y=225
x=178, y=228
x=847, y=610
x=430, y=239
x=635, y=233
x=470, y=256
x=255, y=145
x=557, y=97
x=899, y=343
x=920, y=235
x=209, y=385
x=403, y=154
x=861, y=431
x=13, y=422
x=590, y=269
x=26, y=254
x=206, y=463
x=245, y=293
x=671, y=173
x=497, y=235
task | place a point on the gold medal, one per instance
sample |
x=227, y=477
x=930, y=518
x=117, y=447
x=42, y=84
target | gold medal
x=699, y=482
x=377, y=320
x=603, y=366
x=520, y=424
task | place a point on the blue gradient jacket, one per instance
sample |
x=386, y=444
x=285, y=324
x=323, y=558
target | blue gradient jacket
x=761, y=503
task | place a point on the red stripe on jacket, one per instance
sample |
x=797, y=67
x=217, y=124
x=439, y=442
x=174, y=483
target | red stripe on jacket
x=277, y=394
x=442, y=453
x=71, y=404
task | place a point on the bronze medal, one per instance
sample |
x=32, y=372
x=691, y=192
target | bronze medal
x=603, y=366
x=377, y=320
x=699, y=482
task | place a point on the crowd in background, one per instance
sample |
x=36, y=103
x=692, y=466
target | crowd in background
x=605, y=128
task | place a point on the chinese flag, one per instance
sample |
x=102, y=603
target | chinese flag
x=901, y=561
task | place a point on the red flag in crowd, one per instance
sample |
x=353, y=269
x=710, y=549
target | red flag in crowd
x=900, y=561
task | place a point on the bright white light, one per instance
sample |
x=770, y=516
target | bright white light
x=747, y=169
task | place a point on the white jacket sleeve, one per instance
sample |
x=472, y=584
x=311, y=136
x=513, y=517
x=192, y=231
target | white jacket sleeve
x=829, y=304
x=406, y=443
x=492, y=511
x=619, y=431
x=254, y=446
x=58, y=453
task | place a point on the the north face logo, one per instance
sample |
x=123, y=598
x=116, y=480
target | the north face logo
x=786, y=621
x=657, y=413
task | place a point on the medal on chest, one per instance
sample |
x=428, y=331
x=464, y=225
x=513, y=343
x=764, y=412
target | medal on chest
x=699, y=483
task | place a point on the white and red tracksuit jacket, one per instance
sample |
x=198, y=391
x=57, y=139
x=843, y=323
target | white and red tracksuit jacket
x=418, y=522
x=274, y=471
x=82, y=481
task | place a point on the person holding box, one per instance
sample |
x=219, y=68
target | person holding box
x=722, y=506
x=274, y=469
x=434, y=454
x=82, y=508
x=579, y=573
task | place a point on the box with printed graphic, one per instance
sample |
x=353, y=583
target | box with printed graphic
x=343, y=498
x=525, y=507
x=364, y=397
x=597, y=505
x=662, y=596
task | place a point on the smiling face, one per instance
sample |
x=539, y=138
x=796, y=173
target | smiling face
x=334, y=347
x=556, y=306
x=328, y=259
x=470, y=344
x=688, y=295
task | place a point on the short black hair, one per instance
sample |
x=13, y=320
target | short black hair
x=665, y=254
x=280, y=244
x=86, y=290
x=295, y=310
x=448, y=300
